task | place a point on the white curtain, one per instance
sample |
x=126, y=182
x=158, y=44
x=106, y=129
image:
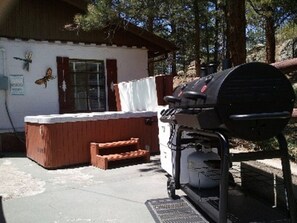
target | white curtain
x=138, y=95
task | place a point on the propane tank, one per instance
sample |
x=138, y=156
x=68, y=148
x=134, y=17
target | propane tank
x=203, y=168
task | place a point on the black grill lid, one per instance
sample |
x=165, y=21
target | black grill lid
x=253, y=101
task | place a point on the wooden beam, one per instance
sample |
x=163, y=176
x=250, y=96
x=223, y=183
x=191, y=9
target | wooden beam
x=286, y=66
x=81, y=4
x=5, y=7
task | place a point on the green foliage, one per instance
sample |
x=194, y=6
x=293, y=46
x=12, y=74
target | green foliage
x=288, y=31
x=97, y=17
x=174, y=20
x=290, y=133
x=295, y=89
x=282, y=12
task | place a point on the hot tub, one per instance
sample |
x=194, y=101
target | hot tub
x=60, y=140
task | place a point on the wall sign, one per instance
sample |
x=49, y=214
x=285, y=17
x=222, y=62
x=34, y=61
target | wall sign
x=17, y=84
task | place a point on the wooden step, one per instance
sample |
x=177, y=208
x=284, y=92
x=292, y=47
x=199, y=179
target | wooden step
x=103, y=153
x=131, y=142
x=126, y=155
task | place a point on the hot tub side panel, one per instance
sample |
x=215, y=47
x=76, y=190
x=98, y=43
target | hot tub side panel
x=64, y=144
x=36, y=148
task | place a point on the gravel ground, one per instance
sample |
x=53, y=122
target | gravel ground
x=16, y=183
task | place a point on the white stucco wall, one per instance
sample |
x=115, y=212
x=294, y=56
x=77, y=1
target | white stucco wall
x=37, y=100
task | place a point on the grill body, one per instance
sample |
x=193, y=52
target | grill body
x=253, y=101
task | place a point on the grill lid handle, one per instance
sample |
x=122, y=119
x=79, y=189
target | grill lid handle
x=259, y=116
x=193, y=95
x=172, y=99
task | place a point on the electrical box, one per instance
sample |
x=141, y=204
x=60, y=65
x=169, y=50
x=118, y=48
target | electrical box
x=3, y=83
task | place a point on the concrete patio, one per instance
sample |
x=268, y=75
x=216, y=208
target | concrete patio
x=32, y=194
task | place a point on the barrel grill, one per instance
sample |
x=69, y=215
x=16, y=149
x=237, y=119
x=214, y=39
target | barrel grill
x=253, y=101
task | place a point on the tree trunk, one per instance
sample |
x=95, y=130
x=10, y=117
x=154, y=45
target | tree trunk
x=216, y=45
x=270, y=39
x=150, y=28
x=197, y=36
x=173, y=54
x=173, y=66
x=207, y=43
x=225, y=30
x=236, y=33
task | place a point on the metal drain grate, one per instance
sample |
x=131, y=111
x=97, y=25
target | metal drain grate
x=167, y=210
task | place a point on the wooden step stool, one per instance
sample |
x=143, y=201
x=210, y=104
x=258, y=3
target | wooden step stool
x=103, y=153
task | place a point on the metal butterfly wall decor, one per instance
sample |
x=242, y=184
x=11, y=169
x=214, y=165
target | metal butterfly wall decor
x=27, y=60
x=47, y=77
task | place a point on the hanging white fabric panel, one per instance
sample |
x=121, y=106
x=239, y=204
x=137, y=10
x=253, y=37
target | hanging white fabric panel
x=138, y=95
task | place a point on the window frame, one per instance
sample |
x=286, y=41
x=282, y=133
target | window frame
x=101, y=84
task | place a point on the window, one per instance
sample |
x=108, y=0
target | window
x=88, y=85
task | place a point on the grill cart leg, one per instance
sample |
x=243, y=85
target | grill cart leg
x=177, y=167
x=287, y=177
x=171, y=188
x=224, y=148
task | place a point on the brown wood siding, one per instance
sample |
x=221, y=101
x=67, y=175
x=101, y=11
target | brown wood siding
x=45, y=20
x=39, y=19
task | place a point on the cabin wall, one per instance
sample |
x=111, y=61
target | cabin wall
x=38, y=100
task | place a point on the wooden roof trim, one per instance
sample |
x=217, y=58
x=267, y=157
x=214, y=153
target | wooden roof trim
x=149, y=36
x=161, y=45
x=70, y=42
